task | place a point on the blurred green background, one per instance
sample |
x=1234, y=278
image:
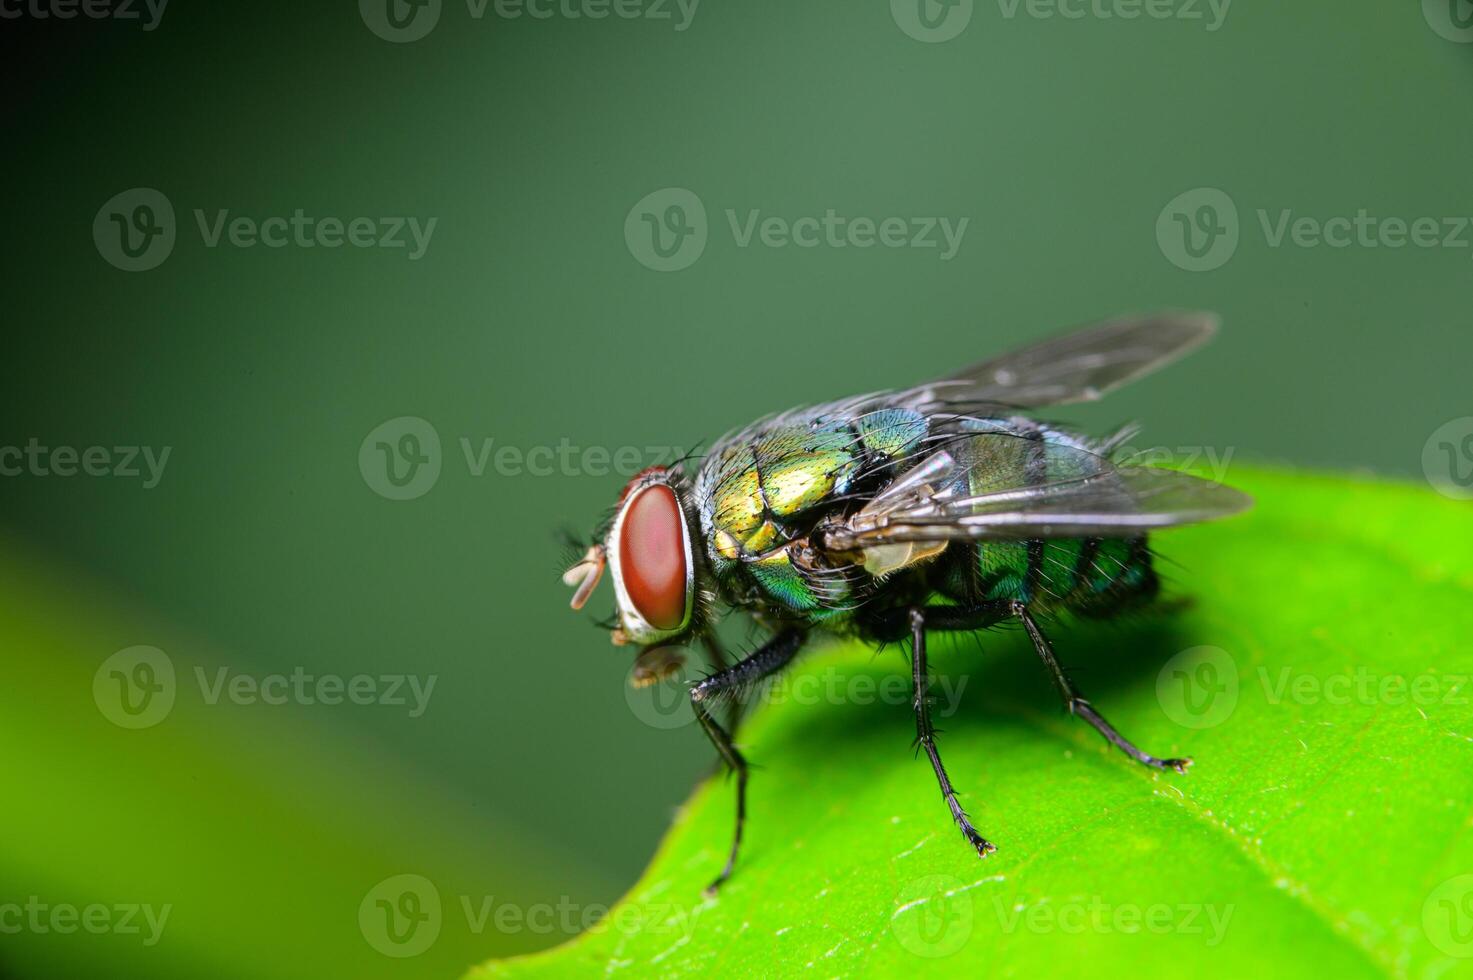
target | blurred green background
x=531, y=320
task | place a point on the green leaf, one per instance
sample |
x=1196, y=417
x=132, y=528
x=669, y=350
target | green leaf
x=244, y=839
x=1324, y=827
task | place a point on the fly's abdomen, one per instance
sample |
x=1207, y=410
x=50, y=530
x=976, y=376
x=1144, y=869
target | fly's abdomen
x=1114, y=574
x=1084, y=574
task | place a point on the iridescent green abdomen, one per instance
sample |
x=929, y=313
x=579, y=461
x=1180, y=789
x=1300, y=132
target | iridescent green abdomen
x=1078, y=574
x=1071, y=573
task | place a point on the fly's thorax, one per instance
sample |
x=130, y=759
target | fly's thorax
x=758, y=488
x=764, y=492
x=770, y=483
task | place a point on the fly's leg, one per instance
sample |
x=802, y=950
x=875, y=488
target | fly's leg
x=926, y=733
x=1076, y=703
x=772, y=657
x=716, y=657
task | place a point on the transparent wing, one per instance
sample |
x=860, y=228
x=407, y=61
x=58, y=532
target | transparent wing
x=1079, y=366
x=1007, y=486
x=1082, y=365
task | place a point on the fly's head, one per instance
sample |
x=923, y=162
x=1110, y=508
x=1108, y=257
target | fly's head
x=650, y=551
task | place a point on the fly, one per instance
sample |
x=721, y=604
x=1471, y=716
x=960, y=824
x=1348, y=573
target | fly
x=888, y=516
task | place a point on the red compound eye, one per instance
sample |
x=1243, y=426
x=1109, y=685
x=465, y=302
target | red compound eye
x=652, y=557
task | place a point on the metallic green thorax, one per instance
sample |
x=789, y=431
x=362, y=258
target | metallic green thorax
x=761, y=491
